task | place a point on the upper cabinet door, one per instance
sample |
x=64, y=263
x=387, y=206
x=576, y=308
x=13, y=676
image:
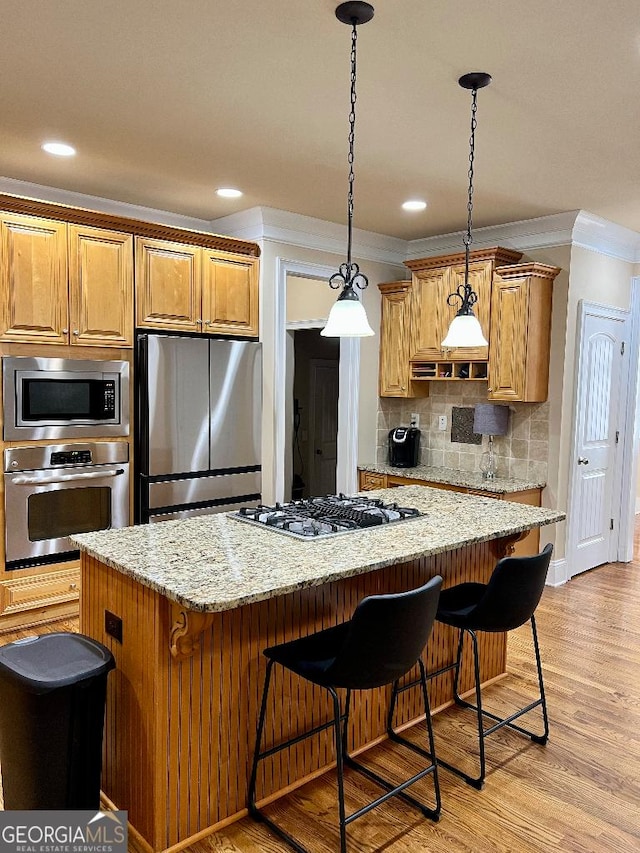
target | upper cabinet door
x=431, y=289
x=394, y=340
x=100, y=287
x=34, y=280
x=480, y=274
x=509, y=327
x=168, y=285
x=230, y=294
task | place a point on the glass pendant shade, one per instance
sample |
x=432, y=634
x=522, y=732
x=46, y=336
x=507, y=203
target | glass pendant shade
x=347, y=319
x=464, y=331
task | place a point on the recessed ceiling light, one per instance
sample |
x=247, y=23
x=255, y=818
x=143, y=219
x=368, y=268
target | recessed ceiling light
x=61, y=149
x=414, y=204
x=228, y=192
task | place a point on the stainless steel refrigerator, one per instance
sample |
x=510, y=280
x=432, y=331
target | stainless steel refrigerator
x=199, y=408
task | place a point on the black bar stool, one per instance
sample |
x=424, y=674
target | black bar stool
x=506, y=602
x=378, y=645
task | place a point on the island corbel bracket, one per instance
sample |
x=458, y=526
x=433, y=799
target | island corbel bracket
x=186, y=631
x=505, y=546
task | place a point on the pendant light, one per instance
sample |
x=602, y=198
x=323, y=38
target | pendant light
x=347, y=318
x=465, y=330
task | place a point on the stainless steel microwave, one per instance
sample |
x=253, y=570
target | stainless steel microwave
x=45, y=398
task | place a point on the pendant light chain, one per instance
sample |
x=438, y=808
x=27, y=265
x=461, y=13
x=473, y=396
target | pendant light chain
x=349, y=275
x=464, y=293
x=352, y=138
x=468, y=239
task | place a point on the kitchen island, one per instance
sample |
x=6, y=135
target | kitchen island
x=197, y=600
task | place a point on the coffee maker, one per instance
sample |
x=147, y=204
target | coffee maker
x=404, y=447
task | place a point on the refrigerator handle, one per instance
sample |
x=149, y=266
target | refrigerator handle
x=141, y=434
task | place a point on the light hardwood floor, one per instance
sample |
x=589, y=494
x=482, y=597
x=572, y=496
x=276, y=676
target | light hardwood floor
x=579, y=793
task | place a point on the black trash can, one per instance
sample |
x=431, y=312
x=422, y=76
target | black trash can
x=52, y=698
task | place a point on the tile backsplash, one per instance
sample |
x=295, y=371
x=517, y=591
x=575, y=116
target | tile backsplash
x=521, y=454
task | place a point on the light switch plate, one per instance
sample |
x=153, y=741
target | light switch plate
x=442, y=422
x=415, y=420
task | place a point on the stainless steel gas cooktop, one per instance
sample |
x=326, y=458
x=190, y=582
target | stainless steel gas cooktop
x=325, y=516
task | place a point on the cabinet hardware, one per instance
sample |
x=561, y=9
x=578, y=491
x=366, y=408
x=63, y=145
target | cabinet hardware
x=65, y=331
x=76, y=332
x=73, y=586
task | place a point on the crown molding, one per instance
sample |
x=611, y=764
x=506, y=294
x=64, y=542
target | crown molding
x=269, y=224
x=264, y=224
x=11, y=186
x=541, y=232
x=573, y=228
x=607, y=238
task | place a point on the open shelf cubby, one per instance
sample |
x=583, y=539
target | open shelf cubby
x=449, y=370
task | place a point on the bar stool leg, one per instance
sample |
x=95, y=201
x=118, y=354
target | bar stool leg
x=477, y=781
x=542, y=739
x=432, y=748
x=456, y=695
x=340, y=738
x=253, y=810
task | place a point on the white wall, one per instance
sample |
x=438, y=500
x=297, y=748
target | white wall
x=369, y=347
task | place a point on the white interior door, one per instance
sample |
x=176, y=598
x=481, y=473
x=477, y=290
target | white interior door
x=323, y=426
x=594, y=510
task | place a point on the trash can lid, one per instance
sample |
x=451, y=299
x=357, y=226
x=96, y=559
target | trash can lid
x=45, y=663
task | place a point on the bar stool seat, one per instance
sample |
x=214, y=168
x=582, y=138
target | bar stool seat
x=380, y=643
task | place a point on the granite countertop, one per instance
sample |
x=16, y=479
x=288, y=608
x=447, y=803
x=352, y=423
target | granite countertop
x=213, y=562
x=454, y=477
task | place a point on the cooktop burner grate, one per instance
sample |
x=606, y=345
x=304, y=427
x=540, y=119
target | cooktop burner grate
x=325, y=516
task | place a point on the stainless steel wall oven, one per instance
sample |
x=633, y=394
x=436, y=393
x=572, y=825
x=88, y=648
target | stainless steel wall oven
x=56, y=490
x=53, y=398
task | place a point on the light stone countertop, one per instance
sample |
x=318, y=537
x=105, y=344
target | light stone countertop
x=212, y=563
x=455, y=477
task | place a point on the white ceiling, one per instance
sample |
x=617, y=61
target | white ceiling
x=165, y=101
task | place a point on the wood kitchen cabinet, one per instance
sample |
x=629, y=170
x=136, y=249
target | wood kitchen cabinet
x=433, y=280
x=100, y=287
x=229, y=294
x=521, y=332
x=433, y=315
x=65, y=284
x=395, y=324
x=168, y=285
x=34, y=267
x=30, y=599
x=191, y=289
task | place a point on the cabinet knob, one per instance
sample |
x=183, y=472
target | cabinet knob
x=404, y=388
x=65, y=331
x=199, y=322
x=208, y=323
x=490, y=390
x=73, y=586
x=76, y=332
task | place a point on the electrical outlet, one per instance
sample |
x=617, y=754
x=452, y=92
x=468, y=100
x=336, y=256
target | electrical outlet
x=113, y=625
x=415, y=420
x=442, y=422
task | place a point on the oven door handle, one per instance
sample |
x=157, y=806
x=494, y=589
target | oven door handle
x=66, y=478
